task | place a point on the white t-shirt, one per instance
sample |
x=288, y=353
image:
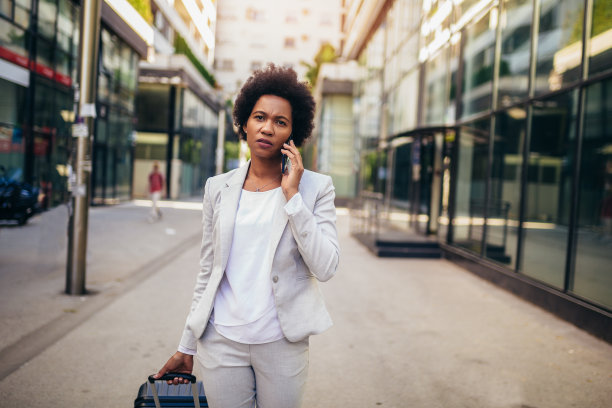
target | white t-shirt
x=244, y=309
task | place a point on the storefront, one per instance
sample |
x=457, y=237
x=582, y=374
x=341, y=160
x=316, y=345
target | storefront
x=38, y=51
x=38, y=73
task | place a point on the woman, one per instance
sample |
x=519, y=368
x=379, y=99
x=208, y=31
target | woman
x=268, y=238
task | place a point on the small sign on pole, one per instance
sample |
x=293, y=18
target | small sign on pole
x=80, y=130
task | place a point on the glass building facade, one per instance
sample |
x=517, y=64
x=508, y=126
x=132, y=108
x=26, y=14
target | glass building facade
x=38, y=58
x=177, y=129
x=113, y=137
x=488, y=125
x=38, y=72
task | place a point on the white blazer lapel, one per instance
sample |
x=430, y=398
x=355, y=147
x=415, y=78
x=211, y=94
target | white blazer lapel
x=278, y=225
x=230, y=197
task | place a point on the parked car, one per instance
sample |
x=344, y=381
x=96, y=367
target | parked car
x=18, y=200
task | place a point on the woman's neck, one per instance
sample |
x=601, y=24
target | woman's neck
x=264, y=169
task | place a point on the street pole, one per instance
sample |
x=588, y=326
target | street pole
x=220, y=142
x=83, y=133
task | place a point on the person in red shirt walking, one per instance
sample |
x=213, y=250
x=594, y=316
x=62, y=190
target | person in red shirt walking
x=156, y=187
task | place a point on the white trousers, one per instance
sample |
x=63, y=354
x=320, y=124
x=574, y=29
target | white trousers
x=155, y=196
x=236, y=375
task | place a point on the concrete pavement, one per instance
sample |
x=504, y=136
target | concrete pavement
x=408, y=333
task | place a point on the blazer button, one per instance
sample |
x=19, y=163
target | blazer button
x=275, y=279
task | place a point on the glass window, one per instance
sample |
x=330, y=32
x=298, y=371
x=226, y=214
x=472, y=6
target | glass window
x=436, y=85
x=479, y=53
x=592, y=277
x=12, y=143
x=22, y=12
x=409, y=54
x=407, y=100
x=600, y=53
x=559, y=44
x=6, y=8
x=152, y=104
x=65, y=25
x=450, y=115
x=549, y=185
x=515, y=51
x=504, y=196
x=402, y=169
x=470, y=189
x=47, y=15
x=14, y=40
x=43, y=103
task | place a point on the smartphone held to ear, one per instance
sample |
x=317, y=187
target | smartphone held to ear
x=285, y=159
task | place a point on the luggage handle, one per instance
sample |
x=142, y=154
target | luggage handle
x=172, y=376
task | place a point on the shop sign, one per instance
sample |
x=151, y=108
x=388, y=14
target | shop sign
x=14, y=57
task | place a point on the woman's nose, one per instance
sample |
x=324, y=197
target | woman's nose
x=267, y=126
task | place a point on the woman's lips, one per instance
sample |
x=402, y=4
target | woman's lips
x=264, y=143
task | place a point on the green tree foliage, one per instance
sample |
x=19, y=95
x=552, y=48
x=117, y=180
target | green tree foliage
x=143, y=7
x=327, y=53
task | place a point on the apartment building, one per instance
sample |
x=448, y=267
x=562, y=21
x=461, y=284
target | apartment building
x=252, y=33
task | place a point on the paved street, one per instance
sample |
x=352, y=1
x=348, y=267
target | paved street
x=408, y=333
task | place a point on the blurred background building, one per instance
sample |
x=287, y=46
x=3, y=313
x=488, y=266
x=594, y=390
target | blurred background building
x=177, y=103
x=38, y=67
x=486, y=125
x=252, y=33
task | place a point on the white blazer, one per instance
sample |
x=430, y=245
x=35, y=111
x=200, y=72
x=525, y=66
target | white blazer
x=304, y=250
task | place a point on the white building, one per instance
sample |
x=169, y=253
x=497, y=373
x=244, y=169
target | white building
x=252, y=33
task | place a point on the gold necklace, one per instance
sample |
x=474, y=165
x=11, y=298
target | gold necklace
x=267, y=184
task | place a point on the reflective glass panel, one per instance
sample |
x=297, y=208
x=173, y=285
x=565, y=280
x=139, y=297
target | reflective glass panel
x=152, y=108
x=549, y=185
x=6, y=8
x=600, y=53
x=14, y=39
x=65, y=24
x=504, y=198
x=559, y=44
x=479, y=55
x=406, y=111
x=451, y=104
x=436, y=85
x=47, y=15
x=470, y=189
x=593, y=277
x=402, y=172
x=515, y=51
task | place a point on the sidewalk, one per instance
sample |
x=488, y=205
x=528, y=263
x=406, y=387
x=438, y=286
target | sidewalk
x=408, y=333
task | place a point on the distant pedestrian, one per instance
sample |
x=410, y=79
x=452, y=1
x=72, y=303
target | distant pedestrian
x=269, y=236
x=156, y=188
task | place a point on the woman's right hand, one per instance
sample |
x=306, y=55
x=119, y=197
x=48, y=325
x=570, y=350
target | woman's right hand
x=178, y=363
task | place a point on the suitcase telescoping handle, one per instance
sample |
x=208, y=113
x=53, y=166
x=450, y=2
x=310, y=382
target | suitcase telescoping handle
x=172, y=376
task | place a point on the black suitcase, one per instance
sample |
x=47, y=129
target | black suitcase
x=156, y=393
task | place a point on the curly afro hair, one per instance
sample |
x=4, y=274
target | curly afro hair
x=282, y=82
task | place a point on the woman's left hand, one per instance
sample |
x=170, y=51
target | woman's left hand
x=293, y=174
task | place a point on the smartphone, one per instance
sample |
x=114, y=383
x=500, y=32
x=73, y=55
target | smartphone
x=284, y=159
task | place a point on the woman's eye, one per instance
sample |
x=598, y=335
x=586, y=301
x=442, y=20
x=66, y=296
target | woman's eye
x=259, y=117
x=281, y=122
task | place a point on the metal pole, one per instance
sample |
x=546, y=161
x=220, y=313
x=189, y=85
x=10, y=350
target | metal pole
x=220, y=142
x=83, y=132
